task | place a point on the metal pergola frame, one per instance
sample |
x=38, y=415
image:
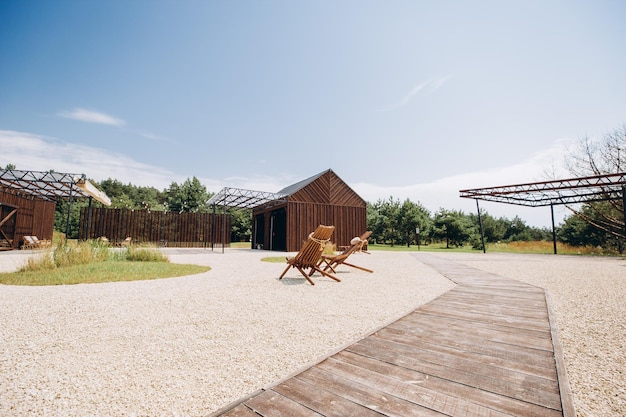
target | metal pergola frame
x=50, y=186
x=240, y=198
x=550, y=193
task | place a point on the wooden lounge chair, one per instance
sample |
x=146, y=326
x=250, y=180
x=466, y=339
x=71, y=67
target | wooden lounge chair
x=33, y=242
x=309, y=255
x=333, y=261
x=125, y=242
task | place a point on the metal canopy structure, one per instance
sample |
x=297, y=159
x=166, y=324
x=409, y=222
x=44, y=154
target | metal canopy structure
x=550, y=193
x=242, y=198
x=49, y=185
x=537, y=194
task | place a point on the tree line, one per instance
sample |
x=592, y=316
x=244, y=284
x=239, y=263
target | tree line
x=598, y=224
x=392, y=222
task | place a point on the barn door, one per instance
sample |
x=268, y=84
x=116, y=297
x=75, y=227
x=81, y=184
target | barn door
x=8, y=215
x=278, y=230
x=258, y=240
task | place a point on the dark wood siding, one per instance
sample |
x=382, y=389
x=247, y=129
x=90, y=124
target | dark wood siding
x=34, y=217
x=303, y=218
x=316, y=192
x=326, y=200
x=156, y=227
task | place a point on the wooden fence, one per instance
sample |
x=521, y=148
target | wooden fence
x=155, y=227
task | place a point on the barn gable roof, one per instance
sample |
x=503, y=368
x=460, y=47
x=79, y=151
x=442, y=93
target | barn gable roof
x=323, y=188
x=291, y=189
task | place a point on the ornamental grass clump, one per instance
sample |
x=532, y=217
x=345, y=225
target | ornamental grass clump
x=64, y=255
x=95, y=262
x=144, y=254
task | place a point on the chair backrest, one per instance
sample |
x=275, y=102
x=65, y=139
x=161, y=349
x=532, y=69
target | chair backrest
x=364, y=238
x=357, y=246
x=312, y=249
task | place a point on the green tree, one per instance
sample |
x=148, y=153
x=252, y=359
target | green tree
x=412, y=216
x=191, y=196
x=589, y=227
x=383, y=220
x=452, y=226
x=241, y=225
x=128, y=196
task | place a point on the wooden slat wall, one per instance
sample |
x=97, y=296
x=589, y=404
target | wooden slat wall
x=328, y=189
x=327, y=200
x=35, y=217
x=342, y=195
x=156, y=227
x=303, y=218
x=316, y=192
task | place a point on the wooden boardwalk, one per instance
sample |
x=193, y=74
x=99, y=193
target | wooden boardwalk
x=485, y=348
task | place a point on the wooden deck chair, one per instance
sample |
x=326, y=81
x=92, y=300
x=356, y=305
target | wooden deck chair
x=333, y=261
x=125, y=242
x=309, y=255
x=28, y=243
x=41, y=243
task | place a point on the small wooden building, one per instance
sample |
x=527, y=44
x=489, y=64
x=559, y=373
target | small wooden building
x=321, y=199
x=24, y=215
x=28, y=202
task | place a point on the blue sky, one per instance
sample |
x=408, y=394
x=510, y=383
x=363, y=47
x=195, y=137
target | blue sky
x=410, y=99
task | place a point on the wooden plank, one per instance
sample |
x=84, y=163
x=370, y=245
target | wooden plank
x=365, y=395
x=498, y=402
x=485, y=356
x=315, y=396
x=272, y=404
x=439, y=401
x=515, y=385
x=240, y=411
x=490, y=331
x=472, y=343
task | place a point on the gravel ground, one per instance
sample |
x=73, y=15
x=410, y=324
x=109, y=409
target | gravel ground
x=188, y=346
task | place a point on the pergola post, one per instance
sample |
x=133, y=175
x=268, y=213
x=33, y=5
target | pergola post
x=624, y=208
x=213, y=229
x=223, y=227
x=553, y=228
x=88, y=219
x=480, y=225
x=69, y=208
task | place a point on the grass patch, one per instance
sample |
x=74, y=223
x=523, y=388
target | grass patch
x=534, y=247
x=414, y=248
x=107, y=271
x=93, y=262
x=544, y=247
x=241, y=245
x=274, y=259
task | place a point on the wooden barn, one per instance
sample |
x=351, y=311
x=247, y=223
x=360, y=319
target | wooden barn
x=284, y=224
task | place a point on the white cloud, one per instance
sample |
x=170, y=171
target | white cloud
x=431, y=84
x=31, y=152
x=91, y=116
